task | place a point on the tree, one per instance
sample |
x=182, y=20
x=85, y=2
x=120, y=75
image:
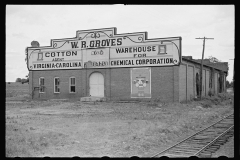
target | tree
x=227, y=84
x=232, y=84
x=18, y=80
x=27, y=76
x=213, y=59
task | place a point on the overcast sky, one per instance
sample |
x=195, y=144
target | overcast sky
x=25, y=23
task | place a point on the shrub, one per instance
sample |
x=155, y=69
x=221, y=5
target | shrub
x=196, y=99
x=216, y=100
x=224, y=96
x=206, y=104
x=210, y=93
x=18, y=80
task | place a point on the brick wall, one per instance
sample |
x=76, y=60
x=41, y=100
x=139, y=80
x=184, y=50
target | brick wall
x=176, y=84
x=183, y=82
x=117, y=83
x=190, y=83
x=30, y=83
x=204, y=83
x=191, y=80
x=207, y=81
x=120, y=83
x=163, y=83
x=215, y=83
x=186, y=81
x=162, y=87
x=64, y=84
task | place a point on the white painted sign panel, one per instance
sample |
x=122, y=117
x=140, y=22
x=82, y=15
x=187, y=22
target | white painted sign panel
x=103, y=48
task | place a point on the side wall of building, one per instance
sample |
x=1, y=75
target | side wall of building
x=191, y=86
x=204, y=82
x=215, y=83
x=197, y=71
x=207, y=81
x=188, y=80
x=183, y=82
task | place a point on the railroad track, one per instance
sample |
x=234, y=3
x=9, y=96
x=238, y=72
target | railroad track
x=204, y=142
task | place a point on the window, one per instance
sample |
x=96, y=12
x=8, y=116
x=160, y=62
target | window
x=162, y=49
x=72, y=85
x=41, y=85
x=56, y=85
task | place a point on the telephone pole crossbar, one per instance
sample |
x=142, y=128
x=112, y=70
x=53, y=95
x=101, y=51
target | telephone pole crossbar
x=200, y=88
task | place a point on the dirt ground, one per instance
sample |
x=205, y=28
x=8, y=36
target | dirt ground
x=68, y=128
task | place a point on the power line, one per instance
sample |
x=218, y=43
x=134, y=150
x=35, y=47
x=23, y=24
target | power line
x=204, y=38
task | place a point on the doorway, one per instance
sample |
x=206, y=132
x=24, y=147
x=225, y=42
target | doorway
x=197, y=85
x=96, y=84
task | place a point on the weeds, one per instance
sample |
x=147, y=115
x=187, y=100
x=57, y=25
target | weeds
x=141, y=126
x=153, y=104
x=219, y=99
x=206, y=104
x=210, y=93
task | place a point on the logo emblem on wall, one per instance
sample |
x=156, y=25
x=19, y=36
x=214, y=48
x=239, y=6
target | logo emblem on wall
x=141, y=83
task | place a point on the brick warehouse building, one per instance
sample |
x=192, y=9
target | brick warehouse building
x=113, y=66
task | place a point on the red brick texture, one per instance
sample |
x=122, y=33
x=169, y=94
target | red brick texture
x=168, y=84
x=117, y=83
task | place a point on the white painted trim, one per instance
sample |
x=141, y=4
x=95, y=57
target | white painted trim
x=54, y=84
x=40, y=83
x=70, y=84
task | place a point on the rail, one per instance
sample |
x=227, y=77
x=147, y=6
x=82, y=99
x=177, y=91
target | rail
x=225, y=131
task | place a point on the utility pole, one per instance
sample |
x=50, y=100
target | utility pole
x=200, y=88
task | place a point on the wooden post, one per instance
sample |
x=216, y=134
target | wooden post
x=201, y=70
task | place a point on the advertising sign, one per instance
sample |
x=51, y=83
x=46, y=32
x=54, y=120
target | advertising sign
x=96, y=58
x=47, y=59
x=103, y=48
x=141, y=83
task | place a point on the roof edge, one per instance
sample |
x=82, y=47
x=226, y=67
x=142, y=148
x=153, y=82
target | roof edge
x=186, y=59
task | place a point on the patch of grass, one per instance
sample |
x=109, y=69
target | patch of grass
x=17, y=90
x=153, y=104
x=17, y=151
x=206, y=103
x=219, y=99
x=142, y=127
x=17, y=147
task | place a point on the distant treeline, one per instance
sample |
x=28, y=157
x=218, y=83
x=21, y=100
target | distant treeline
x=22, y=80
